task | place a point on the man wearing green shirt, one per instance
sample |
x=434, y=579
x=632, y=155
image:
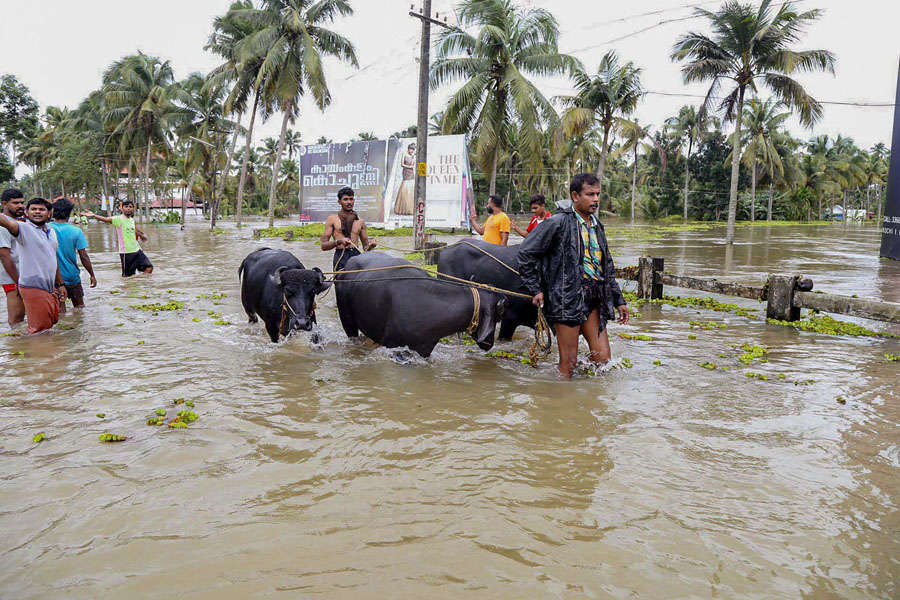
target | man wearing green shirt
x=132, y=257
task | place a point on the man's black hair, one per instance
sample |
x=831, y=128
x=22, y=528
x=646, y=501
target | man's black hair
x=62, y=209
x=345, y=191
x=126, y=201
x=538, y=199
x=11, y=194
x=581, y=180
x=412, y=145
x=46, y=203
x=496, y=201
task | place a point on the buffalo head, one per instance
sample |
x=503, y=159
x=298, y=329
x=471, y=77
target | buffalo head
x=491, y=312
x=298, y=289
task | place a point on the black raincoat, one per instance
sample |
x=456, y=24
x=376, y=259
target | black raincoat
x=550, y=260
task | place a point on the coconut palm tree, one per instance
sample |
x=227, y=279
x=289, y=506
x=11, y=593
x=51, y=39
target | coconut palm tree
x=292, y=142
x=751, y=46
x=603, y=100
x=292, y=42
x=494, y=64
x=230, y=33
x=634, y=135
x=762, y=120
x=687, y=127
x=140, y=94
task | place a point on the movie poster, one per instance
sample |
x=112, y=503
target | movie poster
x=383, y=175
x=326, y=168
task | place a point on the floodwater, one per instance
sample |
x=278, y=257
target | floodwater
x=333, y=471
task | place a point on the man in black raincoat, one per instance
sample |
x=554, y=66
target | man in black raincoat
x=566, y=264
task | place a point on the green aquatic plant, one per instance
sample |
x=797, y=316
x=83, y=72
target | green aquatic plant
x=830, y=326
x=160, y=411
x=19, y=353
x=414, y=256
x=140, y=342
x=841, y=400
x=707, y=326
x=101, y=416
x=196, y=319
x=657, y=362
x=635, y=336
x=156, y=421
x=178, y=401
x=691, y=336
x=221, y=322
x=759, y=376
x=805, y=382
x=751, y=353
x=626, y=362
x=709, y=365
x=178, y=425
x=39, y=437
x=705, y=302
x=213, y=314
x=189, y=403
x=892, y=357
x=213, y=296
x=159, y=306
x=112, y=437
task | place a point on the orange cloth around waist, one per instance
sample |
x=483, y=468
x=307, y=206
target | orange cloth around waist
x=41, y=308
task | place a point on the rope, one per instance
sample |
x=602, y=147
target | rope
x=473, y=324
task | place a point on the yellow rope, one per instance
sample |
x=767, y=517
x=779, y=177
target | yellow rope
x=473, y=324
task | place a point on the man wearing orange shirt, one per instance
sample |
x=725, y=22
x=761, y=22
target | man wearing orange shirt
x=496, y=228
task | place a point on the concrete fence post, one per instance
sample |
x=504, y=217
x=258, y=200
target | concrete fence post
x=780, y=300
x=649, y=286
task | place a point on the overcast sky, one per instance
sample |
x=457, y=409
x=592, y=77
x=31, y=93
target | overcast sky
x=59, y=49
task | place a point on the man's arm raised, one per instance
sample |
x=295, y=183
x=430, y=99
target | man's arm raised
x=100, y=218
x=11, y=225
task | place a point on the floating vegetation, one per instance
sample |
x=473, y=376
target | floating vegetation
x=691, y=336
x=213, y=296
x=101, y=415
x=19, y=353
x=657, y=362
x=214, y=314
x=782, y=376
x=11, y=334
x=509, y=356
x=413, y=256
x=159, y=306
x=830, y=326
x=178, y=425
x=196, y=319
x=635, y=336
x=140, y=342
x=115, y=291
x=635, y=315
x=160, y=411
x=805, y=382
x=120, y=324
x=707, y=326
x=156, y=421
x=759, y=376
x=751, y=353
x=112, y=437
x=625, y=362
x=892, y=357
x=189, y=403
x=705, y=302
x=840, y=400
x=465, y=341
x=118, y=308
x=221, y=322
x=315, y=231
x=39, y=437
x=187, y=416
x=709, y=365
x=178, y=401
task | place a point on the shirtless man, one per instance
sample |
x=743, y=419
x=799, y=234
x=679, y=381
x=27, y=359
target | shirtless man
x=345, y=232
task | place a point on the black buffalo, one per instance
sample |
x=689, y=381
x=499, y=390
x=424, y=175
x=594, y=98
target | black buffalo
x=467, y=262
x=276, y=286
x=407, y=307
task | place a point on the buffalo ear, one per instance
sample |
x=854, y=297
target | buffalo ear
x=322, y=285
x=502, y=305
x=276, y=276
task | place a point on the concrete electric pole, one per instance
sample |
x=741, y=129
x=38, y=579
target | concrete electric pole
x=422, y=121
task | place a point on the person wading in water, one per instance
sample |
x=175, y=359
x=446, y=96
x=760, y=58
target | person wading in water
x=345, y=231
x=566, y=264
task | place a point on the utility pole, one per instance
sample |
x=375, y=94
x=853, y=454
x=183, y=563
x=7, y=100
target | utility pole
x=422, y=121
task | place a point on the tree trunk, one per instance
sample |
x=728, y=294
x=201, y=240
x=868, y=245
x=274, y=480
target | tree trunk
x=243, y=179
x=880, y=205
x=146, y=178
x=633, y=182
x=769, y=211
x=753, y=193
x=190, y=191
x=218, y=198
x=604, y=150
x=687, y=174
x=492, y=188
x=274, y=184
x=105, y=186
x=735, y=167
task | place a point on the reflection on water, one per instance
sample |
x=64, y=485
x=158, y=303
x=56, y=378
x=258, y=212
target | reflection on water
x=333, y=470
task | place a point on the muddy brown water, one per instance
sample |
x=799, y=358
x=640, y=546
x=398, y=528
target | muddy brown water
x=334, y=471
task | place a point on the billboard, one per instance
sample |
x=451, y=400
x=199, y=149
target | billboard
x=890, y=227
x=382, y=173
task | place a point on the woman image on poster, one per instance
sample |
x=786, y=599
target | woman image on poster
x=405, y=200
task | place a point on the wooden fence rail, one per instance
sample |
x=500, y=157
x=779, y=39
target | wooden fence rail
x=784, y=295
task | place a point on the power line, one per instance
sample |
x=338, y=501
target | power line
x=867, y=104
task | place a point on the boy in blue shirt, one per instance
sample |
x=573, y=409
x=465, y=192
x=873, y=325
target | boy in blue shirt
x=71, y=242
